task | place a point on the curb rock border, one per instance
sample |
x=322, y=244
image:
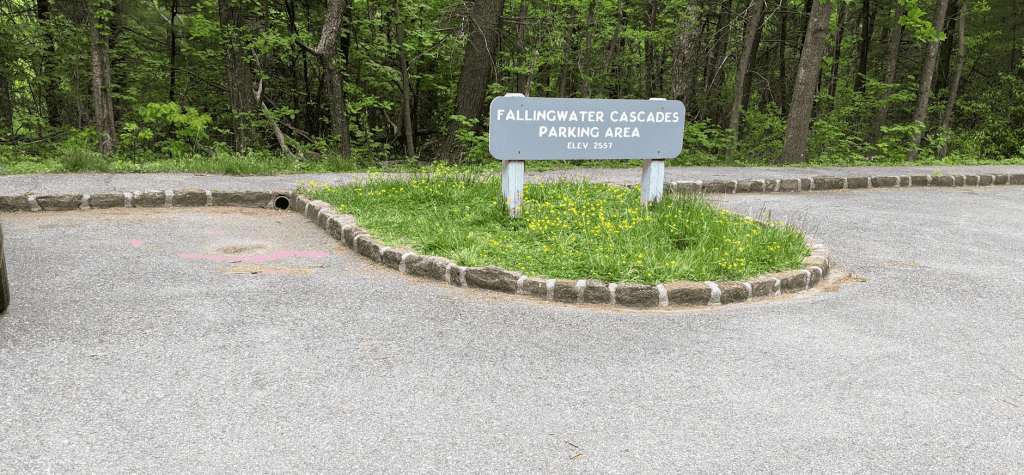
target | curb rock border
x=343, y=228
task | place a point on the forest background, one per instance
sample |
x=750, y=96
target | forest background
x=127, y=85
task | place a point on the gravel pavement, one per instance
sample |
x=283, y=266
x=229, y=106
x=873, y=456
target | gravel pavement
x=118, y=355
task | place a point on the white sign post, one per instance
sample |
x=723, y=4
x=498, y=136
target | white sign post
x=533, y=128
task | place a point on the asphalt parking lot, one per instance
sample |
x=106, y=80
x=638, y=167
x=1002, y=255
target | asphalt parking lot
x=119, y=354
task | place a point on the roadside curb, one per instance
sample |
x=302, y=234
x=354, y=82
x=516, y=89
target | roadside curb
x=828, y=183
x=342, y=227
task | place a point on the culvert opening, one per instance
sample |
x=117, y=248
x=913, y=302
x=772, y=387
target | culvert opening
x=282, y=202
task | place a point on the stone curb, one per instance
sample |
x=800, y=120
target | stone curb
x=343, y=228
x=826, y=183
x=583, y=291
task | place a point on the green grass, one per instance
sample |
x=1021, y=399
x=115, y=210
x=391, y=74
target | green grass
x=568, y=230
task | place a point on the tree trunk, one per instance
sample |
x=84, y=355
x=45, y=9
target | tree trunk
x=748, y=81
x=6, y=107
x=586, y=56
x=521, y=45
x=476, y=70
x=719, y=57
x=890, y=75
x=867, y=26
x=238, y=72
x=794, y=147
x=753, y=22
x=685, y=55
x=326, y=52
x=833, y=79
x=927, y=71
x=946, y=50
x=783, y=78
x=174, y=49
x=954, y=84
x=54, y=103
x=410, y=149
x=103, y=104
x=611, y=50
x=570, y=35
x=649, y=55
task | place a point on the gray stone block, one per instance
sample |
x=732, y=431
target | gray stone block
x=985, y=180
x=719, y=186
x=762, y=287
x=904, y=181
x=368, y=247
x=349, y=234
x=789, y=185
x=791, y=281
x=687, y=187
x=431, y=267
x=771, y=186
x=818, y=262
x=944, y=180
x=749, y=186
x=59, y=202
x=565, y=291
x=299, y=204
x=687, y=294
x=856, y=182
x=1000, y=179
x=245, y=199
x=492, y=278
x=536, y=287
x=732, y=292
x=828, y=183
x=885, y=181
x=596, y=292
x=335, y=229
x=189, y=197
x=815, y=276
x=637, y=295
x=149, y=199
x=1016, y=179
x=11, y=204
x=392, y=258
x=958, y=180
x=805, y=184
x=919, y=180
x=111, y=200
x=971, y=180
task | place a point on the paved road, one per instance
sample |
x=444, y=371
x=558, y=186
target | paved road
x=120, y=356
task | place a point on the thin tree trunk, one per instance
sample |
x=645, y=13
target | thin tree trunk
x=239, y=74
x=753, y=22
x=783, y=78
x=685, y=54
x=6, y=107
x=611, y=50
x=258, y=95
x=476, y=70
x=103, y=104
x=521, y=45
x=718, y=60
x=174, y=49
x=833, y=79
x=649, y=60
x=54, y=103
x=867, y=21
x=941, y=80
x=748, y=81
x=570, y=35
x=954, y=84
x=410, y=149
x=794, y=146
x=586, y=56
x=927, y=71
x=890, y=75
x=326, y=52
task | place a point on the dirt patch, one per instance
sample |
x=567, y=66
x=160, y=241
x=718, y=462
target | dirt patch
x=833, y=285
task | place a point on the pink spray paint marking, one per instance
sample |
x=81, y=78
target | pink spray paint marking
x=271, y=257
x=137, y=243
x=215, y=232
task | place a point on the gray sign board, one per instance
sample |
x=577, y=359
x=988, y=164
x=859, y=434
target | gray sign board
x=538, y=128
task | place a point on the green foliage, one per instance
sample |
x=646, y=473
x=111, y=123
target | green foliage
x=475, y=145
